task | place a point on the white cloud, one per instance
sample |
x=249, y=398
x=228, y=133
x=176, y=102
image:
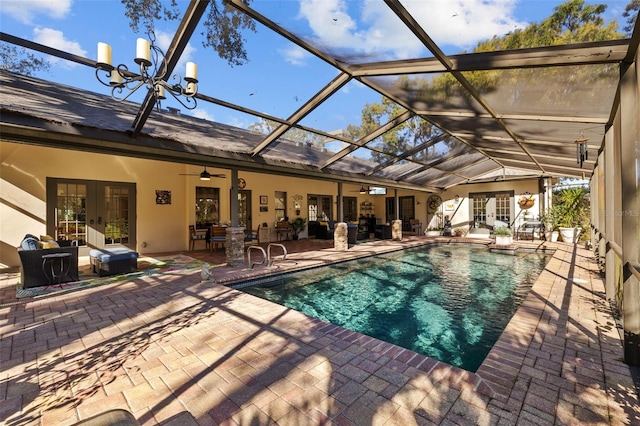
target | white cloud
x=25, y=10
x=54, y=38
x=202, y=113
x=378, y=32
x=464, y=23
x=295, y=55
x=163, y=41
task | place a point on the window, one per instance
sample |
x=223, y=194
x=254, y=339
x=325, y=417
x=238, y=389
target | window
x=280, y=200
x=207, y=206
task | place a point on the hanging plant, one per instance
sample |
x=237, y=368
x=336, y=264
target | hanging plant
x=526, y=201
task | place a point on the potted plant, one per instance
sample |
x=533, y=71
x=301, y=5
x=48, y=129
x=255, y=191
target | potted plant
x=550, y=221
x=297, y=225
x=573, y=212
x=433, y=232
x=504, y=236
x=458, y=232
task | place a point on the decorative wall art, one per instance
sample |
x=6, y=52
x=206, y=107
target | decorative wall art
x=264, y=199
x=163, y=196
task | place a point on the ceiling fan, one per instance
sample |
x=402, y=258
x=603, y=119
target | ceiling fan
x=205, y=175
x=363, y=190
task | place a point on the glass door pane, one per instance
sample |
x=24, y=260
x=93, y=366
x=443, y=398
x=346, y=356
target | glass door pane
x=116, y=214
x=70, y=213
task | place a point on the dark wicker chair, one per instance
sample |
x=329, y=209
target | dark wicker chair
x=36, y=274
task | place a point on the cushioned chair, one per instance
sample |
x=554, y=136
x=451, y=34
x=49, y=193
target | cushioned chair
x=251, y=237
x=35, y=272
x=218, y=236
x=196, y=236
x=327, y=229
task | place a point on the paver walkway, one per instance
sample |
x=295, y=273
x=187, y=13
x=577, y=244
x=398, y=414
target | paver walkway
x=177, y=351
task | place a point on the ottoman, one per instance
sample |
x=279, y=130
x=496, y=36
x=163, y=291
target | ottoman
x=113, y=261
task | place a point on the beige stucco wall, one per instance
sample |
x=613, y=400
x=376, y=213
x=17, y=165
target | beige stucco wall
x=23, y=173
x=24, y=170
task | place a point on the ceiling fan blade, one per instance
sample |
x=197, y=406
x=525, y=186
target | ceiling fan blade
x=204, y=174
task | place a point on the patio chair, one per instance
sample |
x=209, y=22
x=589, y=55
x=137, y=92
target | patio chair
x=194, y=236
x=416, y=226
x=218, y=236
x=283, y=228
x=250, y=237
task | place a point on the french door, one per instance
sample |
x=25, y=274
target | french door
x=406, y=213
x=492, y=209
x=91, y=214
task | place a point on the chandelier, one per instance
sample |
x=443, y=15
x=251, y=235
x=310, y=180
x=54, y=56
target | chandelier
x=153, y=70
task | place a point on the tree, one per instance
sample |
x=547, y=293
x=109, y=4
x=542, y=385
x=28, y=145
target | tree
x=18, y=60
x=223, y=24
x=631, y=13
x=571, y=22
x=294, y=134
x=402, y=138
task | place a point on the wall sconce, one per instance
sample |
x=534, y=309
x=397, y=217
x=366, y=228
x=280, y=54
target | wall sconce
x=418, y=203
x=456, y=198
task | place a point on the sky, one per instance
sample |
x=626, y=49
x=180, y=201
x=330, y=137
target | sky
x=279, y=76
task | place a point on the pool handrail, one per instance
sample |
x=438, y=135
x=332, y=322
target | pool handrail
x=269, y=258
x=264, y=256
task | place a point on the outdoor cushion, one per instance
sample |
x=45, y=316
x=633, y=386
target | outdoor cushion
x=113, y=254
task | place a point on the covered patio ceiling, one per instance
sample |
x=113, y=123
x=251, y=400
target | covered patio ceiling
x=502, y=115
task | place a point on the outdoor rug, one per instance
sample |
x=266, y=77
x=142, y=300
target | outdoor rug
x=87, y=278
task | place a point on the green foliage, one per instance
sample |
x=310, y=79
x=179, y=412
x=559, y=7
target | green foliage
x=631, y=13
x=503, y=231
x=18, y=60
x=571, y=22
x=223, y=24
x=408, y=136
x=298, y=224
x=551, y=218
x=572, y=206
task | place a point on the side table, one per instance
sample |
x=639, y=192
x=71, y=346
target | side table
x=59, y=264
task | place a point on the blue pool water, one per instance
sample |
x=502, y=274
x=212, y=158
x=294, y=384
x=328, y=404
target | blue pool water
x=450, y=303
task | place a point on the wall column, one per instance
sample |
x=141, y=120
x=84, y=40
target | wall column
x=630, y=213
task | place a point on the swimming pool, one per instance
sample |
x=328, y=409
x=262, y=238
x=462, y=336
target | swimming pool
x=450, y=303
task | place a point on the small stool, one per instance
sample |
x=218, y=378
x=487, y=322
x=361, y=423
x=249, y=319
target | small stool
x=62, y=267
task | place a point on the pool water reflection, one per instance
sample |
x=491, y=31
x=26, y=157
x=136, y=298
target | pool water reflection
x=450, y=303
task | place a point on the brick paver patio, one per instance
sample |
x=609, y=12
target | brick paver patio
x=177, y=351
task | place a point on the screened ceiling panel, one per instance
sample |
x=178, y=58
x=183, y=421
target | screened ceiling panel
x=426, y=93
x=507, y=113
x=579, y=91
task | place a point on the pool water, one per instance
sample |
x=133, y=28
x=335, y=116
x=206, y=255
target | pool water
x=450, y=303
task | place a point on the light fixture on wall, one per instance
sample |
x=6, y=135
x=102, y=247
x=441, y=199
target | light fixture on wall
x=150, y=58
x=456, y=198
